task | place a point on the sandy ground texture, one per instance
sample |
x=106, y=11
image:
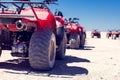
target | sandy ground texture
x=100, y=60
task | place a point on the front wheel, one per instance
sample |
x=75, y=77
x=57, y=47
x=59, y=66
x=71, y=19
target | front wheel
x=42, y=50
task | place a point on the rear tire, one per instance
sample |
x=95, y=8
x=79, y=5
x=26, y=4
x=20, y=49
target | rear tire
x=82, y=41
x=6, y=40
x=74, y=41
x=42, y=50
x=107, y=35
x=6, y=37
x=62, y=48
x=92, y=35
x=99, y=36
x=114, y=37
x=0, y=42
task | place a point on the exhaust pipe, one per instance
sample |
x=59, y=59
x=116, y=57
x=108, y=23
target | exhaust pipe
x=20, y=25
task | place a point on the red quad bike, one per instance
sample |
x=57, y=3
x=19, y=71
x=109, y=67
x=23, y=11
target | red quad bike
x=74, y=34
x=61, y=36
x=109, y=34
x=115, y=34
x=31, y=31
x=95, y=33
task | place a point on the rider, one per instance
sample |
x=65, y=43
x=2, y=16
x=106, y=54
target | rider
x=58, y=13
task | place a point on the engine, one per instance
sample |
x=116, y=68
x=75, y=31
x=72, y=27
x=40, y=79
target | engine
x=20, y=49
x=20, y=44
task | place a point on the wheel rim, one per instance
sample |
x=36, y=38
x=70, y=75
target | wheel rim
x=52, y=51
x=52, y=54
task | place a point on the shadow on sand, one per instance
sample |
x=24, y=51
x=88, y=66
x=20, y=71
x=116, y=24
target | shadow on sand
x=86, y=48
x=61, y=67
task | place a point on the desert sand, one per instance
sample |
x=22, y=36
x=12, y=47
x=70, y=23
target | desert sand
x=100, y=60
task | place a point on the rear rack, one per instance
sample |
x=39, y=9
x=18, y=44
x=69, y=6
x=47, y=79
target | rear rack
x=26, y=2
x=15, y=3
x=20, y=5
x=15, y=16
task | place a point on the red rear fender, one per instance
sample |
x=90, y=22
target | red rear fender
x=115, y=33
x=45, y=18
x=81, y=28
x=59, y=21
x=73, y=28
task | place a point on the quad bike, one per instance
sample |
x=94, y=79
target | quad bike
x=95, y=33
x=109, y=34
x=74, y=34
x=61, y=36
x=115, y=34
x=31, y=31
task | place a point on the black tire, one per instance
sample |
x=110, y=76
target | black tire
x=42, y=50
x=6, y=40
x=6, y=37
x=99, y=36
x=82, y=41
x=92, y=35
x=84, y=37
x=74, y=41
x=107, y=35
x=60, y=54
x=0, y=42
x=114, y=37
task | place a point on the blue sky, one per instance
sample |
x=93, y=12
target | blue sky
x=93, y=14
